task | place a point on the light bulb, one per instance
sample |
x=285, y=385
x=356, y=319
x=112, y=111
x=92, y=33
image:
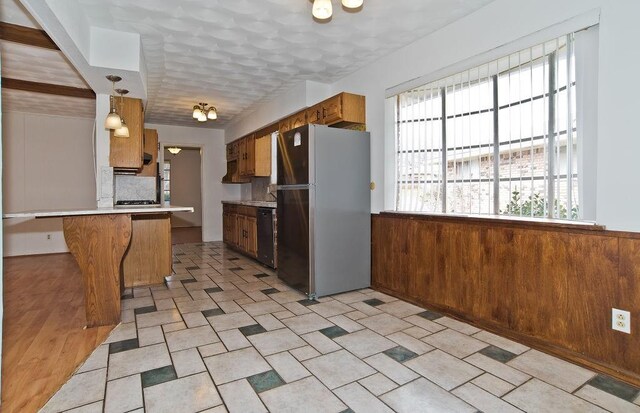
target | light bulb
x=322, y=9
x=352, y=4
x=196, y=112
x=113, y=120
x=212, y=114
x=122, y=131
x=202, y=117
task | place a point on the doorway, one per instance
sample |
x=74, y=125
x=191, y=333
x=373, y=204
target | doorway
x=182, y=186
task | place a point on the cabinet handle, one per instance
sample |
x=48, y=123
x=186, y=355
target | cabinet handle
x=324, y=112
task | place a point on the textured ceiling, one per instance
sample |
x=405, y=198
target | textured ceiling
x=236, y=53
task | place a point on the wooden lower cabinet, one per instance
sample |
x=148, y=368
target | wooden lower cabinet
x=148, y=259
x=240, y=228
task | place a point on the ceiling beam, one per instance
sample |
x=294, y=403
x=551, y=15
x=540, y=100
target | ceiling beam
x=26, y=35
x=48, y=88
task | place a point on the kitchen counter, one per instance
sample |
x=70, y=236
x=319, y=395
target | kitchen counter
x=133, y=210
x=261, y=204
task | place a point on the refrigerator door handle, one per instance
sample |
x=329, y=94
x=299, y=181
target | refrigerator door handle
x=293, y=187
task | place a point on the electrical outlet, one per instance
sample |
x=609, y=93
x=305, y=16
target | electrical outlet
x=621, y=320
x=48, y=236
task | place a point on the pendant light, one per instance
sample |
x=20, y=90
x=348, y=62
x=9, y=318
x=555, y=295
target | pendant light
x=202, y=113
x=322, y=9
x=113, y=119
x=352, y=4
x=123, y=130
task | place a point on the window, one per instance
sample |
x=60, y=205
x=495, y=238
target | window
x=499, y=138
x=166, y=181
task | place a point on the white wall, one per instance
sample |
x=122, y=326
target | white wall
x=214, y=167
x=186, y=186
x=48, y=164
x=499, y=23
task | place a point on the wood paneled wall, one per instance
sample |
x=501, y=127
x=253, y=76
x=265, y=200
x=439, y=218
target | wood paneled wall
x=549, y=286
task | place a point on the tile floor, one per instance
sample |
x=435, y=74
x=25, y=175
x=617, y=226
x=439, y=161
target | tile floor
x=225, y=335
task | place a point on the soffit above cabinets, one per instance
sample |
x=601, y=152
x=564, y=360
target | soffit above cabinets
x=236, y=54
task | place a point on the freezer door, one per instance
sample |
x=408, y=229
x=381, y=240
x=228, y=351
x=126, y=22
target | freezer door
x=293, y=157
x=293, y=237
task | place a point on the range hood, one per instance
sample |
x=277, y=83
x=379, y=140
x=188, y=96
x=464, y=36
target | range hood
x=147, y=158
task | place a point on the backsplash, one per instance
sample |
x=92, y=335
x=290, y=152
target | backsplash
x=130, y=188
x=260, y=188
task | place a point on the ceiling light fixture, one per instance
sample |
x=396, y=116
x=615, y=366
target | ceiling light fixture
x=123, y=130
x=323, y=9
x=202, y=113
x=174, y=150
x=113, y=120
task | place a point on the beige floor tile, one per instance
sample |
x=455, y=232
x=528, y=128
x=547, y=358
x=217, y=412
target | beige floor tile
x=239, y=397
x=356, y=315
x=425, y=324
x=97, y=359
x=537, y=396
x=338, y=368
x=378, y=384
x=276, y=341
x=330, y=308
x=197, y=305
x=346, y=323
x=384, y=324
x=416, y=332
x=366, y=309
x=283, y=314
x=400, y=308
x=227, y=295
x=262, y=307
x=457, y=325
x=304, y=353
x=180, y=325
x=321, y=342
x=391, y=368
x=185, y=395
x=552, y=370
x=351, y=297
x=138, y=360
x=136, y=303
x=191, y=337
x=234, y=339
x=235, y=365
x=81, y=389
x=503, y=343
x=187, y=362
x=93, y=408
x=483, y=400
x=195, y=319
x=360, y=400
x=307, y=395
x=165, y=304
x=269, y=322
x=123, y=394
x=443, y=369
x=169, y=293
x=254, y=285
x=493, y=385
x=287, y=366
x=364, y=343
x=212, y=349
x=229, y=306
x=287, y=296
x=410, y=343
x=123, y=331
x=455, y=343
x=607, y=400
x=150, y=335
x=296, y=308
x=423, y=396
x=306, y=323
x=158, y=318
x=498, y=369
x=229, y=321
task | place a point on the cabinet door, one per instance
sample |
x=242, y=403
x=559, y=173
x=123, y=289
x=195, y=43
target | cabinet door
x=226, y=236
x=299, y=119
x=233, y=229
x=241, y=231
x=127, y=153
x=252, y=236
x=263, y=156
x=250, y=145
x=314, y=115
x=150, y=147
x=332, y=110
x=242, y=156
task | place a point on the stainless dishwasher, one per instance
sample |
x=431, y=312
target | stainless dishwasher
x=265, y=236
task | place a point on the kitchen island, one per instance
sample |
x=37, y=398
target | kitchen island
x=98, y=238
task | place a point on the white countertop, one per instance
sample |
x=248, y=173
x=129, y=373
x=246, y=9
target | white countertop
x=263, y=204
x=135, y=210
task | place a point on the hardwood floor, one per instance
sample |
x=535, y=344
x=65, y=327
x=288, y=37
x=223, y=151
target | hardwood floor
x=186, y=235
x=44, y=339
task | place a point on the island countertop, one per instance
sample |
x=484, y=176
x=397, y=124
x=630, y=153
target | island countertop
x=134, y=210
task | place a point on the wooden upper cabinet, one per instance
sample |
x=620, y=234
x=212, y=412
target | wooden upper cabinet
x=263, y=156
x=284, y=125
x=150, y=147
x=127, y=153
x=345, y=108
x=250, y=155
x=314, y=114
x=299, y=119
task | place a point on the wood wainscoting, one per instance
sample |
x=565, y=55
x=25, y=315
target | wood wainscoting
x=550, y=286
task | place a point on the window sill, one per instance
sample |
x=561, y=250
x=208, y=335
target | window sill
x=532, y=223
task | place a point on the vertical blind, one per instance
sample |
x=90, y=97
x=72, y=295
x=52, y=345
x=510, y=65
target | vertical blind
x=499, y=138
